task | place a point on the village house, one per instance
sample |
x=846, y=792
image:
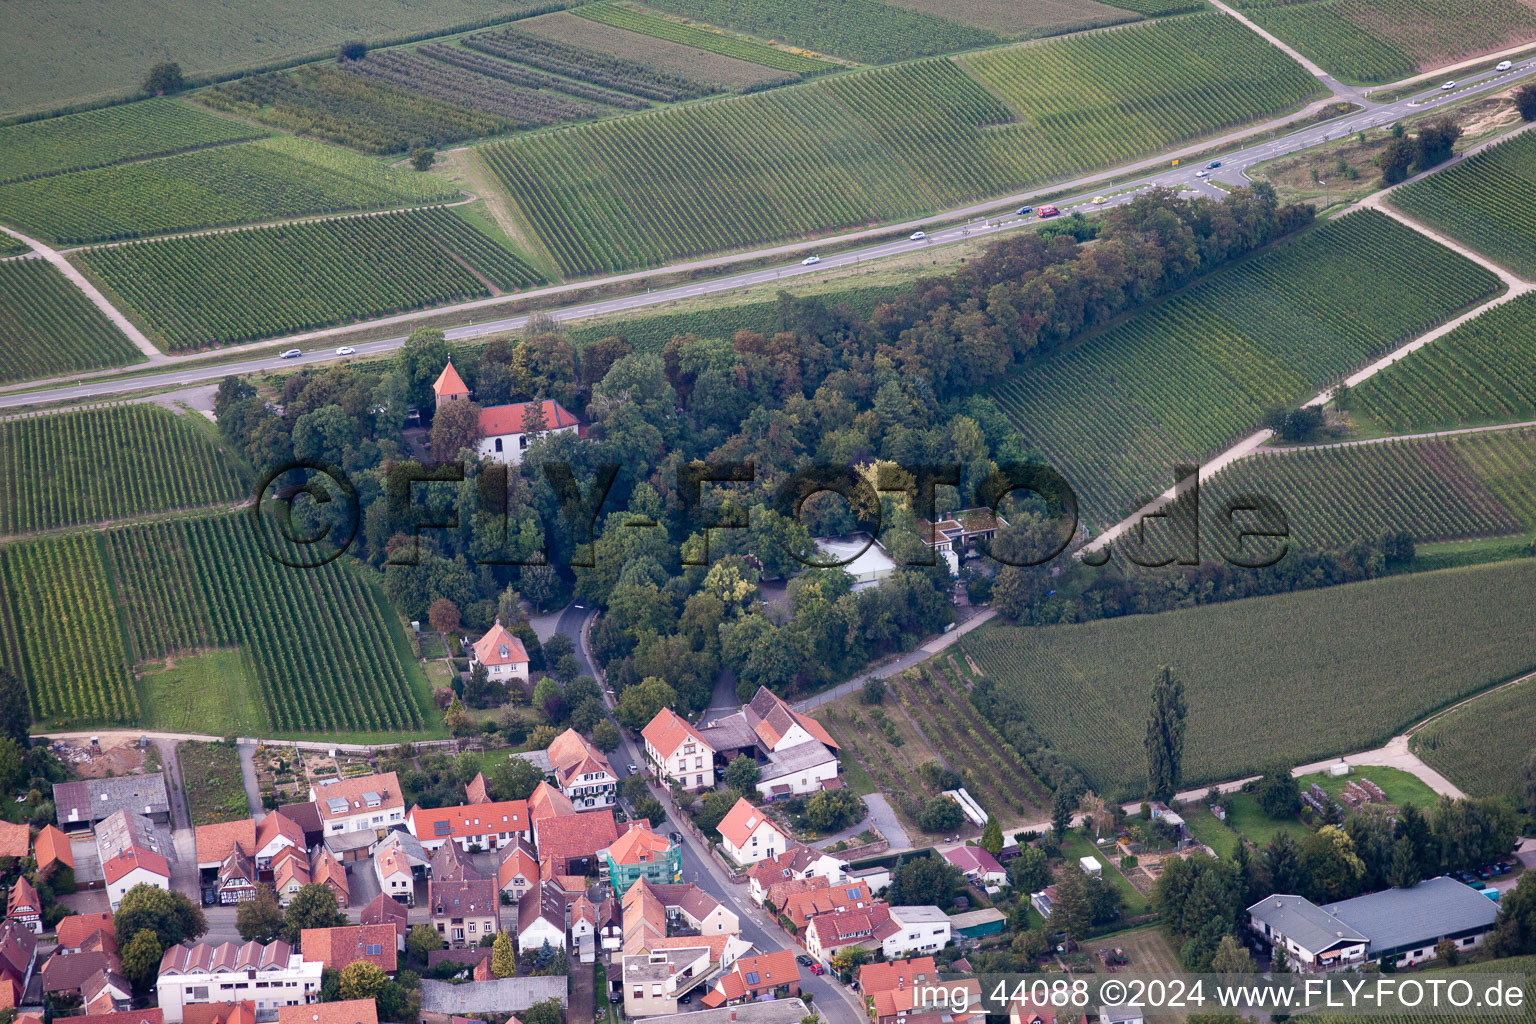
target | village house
x=326, y=870
x=503, y=655
x=816, y=899
x=519, y=869
x=568, y=844
x=275, y=832
x=384, y=910
x=541, y=918
x=23, y=906
x=977, y=865
x=94, y=973
x=641, y=853
x=795, y=753
x=797, y=862
x=379, y=944
x=271, y=975
x=52, y=852
x=397, y=862
x=472, y=827
x=133, y=851
x=678, y=752
x=18, y=956
x=909, y=930
x=366, y=803
x=1024, y=1010
x=464, y=910
x=747, y=835
x=828, y=933
x=902, y=992
x=655, y=981
x=582, y=772
x=341, y=1011
x=85, y=803
x=960, y=533
x=756, y=977
x=290, y=873
x=236, y=878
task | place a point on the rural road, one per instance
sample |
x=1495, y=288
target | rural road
x=997, y=220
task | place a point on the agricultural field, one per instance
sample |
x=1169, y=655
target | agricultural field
x=620, y=59
x=213, y=783
x=1516, y=966
x=1474, y=745
x=651, y=333
x=48, y=327
x=1161, y=8
x=97, y=138
x=213, y=692
x=1479, y=373
x=1437, y=489
x=1488, y=201
x=1038, y=18
x=739, y=171
x=1196, y=372
x=889, y=765
x=866, y=31
x=245, y=285
x=616, y=15
x=1373, y=41
x=322, y=641
x=1265, y=678
x=107, y=463
x=273, y=178
x=60, y=632
x=481, y=85
x=112, y=46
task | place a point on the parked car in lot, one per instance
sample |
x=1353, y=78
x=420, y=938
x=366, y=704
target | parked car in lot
x=816, y=967
x=1505, y=65
x=1048, y=211
x=803, y=960
x=918, y=235
x=346, y=350
x=810, y=261
x=292, y=353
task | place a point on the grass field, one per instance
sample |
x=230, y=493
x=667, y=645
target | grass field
x=621, y=59
x=1487, y=201
x=617, y=15
x=246, y=285
x=1479, y=373
x=1390, y=650
x=107, y=463
x=214, y=692
x=1401, y=787
x=1480, y=746
x=97, y=138
x=744, y=170
x=1037, y=18
x=1215, y=834
x=211, y=777
x=266, y=180
x=1384, y=40
x=1246, y=817
x=866, y=31
x=49, y=328
x=1197, y=372
x=1454, y=488
x=1077, y=846
x=57, y=54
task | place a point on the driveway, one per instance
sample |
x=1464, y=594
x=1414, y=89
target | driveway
x=881, y=813
x=582, y=1005
x=247, y=751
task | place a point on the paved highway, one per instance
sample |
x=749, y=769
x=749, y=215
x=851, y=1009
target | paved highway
x=1233, y=170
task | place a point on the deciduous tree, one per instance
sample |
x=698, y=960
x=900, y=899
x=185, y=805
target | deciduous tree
x=170, y=915
x=313, y=906
x=141, y=958
x=260, y=919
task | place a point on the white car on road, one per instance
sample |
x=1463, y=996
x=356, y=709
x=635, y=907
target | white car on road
x=1505, y=65
x=810, y=261
x=918, y=236
x=1448, y=86
x=346, y=350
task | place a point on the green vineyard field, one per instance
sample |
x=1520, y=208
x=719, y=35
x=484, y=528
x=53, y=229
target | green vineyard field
x=1376, y=41
x=1487, y=201
x=1286, y=679
x=617, y=15
x=1453, y=488
x=265, y=180
x=1039, y=17
x=96, y=138
x=48, y=327
x=863, y=30
x=1471, y=745
x=77, y=611
x=107, y=463
x=1197, y=372
x=882, y=144
x=244, y=285
x=1479, y=373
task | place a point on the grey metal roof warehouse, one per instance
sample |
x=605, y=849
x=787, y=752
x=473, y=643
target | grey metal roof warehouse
x=504, y=995
x=1401, y=920
x=82, y=803
x=1304, y=922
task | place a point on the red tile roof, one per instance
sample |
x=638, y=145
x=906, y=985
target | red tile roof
x=52, y=846
x=327, y=870
x=214, y=841
x=666, y=732
x=76, y=928
x=469, y=821
x=499, y=647
x=475, y=790
x=517, y=858
x=576, y=835
x=338, y=947
x=151, y=1015
x=23, y=899
x=803, y=906
x=548, y=802
x=347, y=1011
x=639, y=845
x=135, y=857
x=754, y=974
x=744, y=819
x=387, y=786
x=243, y=1012
x=896, y=974
x=278, y=824
x=449, y=383
x=15, y=840
x=501, y=420
x=384, y=909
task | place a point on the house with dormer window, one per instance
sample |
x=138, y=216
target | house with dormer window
x=502, y=654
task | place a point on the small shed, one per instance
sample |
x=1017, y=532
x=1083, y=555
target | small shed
x=1090, y=865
